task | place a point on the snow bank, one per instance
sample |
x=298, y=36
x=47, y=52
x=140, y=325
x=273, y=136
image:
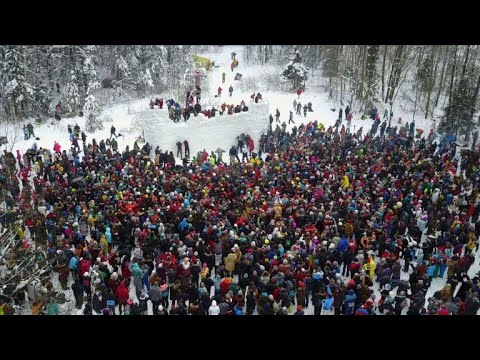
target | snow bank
x=201, y=132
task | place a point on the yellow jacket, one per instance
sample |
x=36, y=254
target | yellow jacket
x=256, y=161
x=471, y=244
x=104, y=244
x=204, y=273
x=345, y=182
x=369, y=267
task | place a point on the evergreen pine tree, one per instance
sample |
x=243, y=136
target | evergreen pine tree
x=296, y=71
x=91, y=110
x=17, y=92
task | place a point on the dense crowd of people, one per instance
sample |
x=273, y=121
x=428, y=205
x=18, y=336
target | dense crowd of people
x=313, y=217
x=316, y=221
x=193, y=107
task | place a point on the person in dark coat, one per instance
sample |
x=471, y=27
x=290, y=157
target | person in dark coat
x=187, y=149
x=347, y=111
x=179, y=149
x=400, y=302
x=290, y=118
x=472, y=306
x=299, y=310
x=77, y=288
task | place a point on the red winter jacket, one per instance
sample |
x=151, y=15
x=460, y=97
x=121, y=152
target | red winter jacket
x=251, y=144
x=122, y=293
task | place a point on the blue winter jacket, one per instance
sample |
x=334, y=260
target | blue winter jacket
x=342, y=245
x=108, y=235
x=183, y=225
x=72, y=265
x=349, y=302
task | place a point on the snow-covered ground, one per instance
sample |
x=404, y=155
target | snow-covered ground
x=133, y=118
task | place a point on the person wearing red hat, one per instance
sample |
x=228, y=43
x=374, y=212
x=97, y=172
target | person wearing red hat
x=299, y=310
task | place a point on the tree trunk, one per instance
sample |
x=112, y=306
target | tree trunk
x=465, y=63
x=442, y=78
x=450, y=91
x=475, y=135
x=383, y=70
x=390, y=77
x=472, y=111
x=431, y=85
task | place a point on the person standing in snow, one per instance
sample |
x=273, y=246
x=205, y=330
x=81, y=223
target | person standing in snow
x=223, y=78
x=244, y=152
x=277, y=116
x=230, y=90
x=349, y=117
x=187, y=148
x=75, y=144
x=270, y=120
x=299, y=108
x=290, y=118
x=219, y=152
x=347, y=111
x=155, y=296
x=233, y=154
x=26, y=133
x=30, y=130
x=305, y=109
x=233, y=55
x=340, y=114
x=58, y=111
x=179, y=149
x=219, y=91
x=113, y=131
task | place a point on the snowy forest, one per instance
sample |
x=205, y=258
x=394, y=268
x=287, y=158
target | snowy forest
x=432, y=81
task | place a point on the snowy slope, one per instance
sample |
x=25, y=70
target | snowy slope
x=201, y=132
